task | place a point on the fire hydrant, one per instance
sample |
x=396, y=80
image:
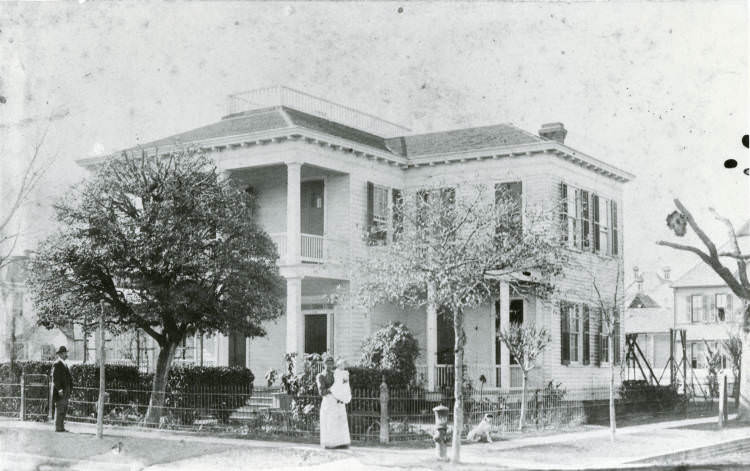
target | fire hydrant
x=441, y=432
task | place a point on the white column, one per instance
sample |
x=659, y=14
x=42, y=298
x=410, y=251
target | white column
x=293, y=211
x=504, y=324
x=431, y=347
x=295, y=322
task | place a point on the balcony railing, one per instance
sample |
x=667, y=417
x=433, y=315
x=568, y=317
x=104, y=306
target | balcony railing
x=313, y=248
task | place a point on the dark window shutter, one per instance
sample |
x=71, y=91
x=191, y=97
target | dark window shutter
x=564, y=335
x=615, y=232
x=586, y=327
x=398, y=217
x=595, y=211
x=563, y=213
x=598, y=338
x=370, y=209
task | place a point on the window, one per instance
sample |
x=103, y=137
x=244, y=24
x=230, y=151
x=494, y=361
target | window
x=377, y=213
x=616, y=339
x=18, y=304
x=186, y=350
x=510, y=194
x=575, y=330
x=696, y=308
x=586, y=335
x=697, y=355
x=724, y=307
x=587, y=221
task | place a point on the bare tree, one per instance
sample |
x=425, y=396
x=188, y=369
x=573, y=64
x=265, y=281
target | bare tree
x=526, y=343
x=14, y=199
x=678, y=221
x=733, y=347
x=610, y=313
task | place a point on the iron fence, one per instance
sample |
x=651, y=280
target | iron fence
x=401, y=414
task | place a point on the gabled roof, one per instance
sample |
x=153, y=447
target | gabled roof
x=642, y=301
x=703, y=275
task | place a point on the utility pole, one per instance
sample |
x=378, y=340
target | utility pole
x=100, y=354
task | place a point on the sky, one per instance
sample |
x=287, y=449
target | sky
x=659, y=89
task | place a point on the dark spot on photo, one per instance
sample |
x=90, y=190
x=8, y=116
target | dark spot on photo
x=730, y=163
x=400, y=9
x=2, y=100
x=745, y=140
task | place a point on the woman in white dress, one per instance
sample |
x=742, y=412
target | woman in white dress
x=333, y=386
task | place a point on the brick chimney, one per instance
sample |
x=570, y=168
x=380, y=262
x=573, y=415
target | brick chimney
x=553, y=132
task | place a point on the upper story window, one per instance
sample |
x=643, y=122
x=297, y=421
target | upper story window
x=510, y=194
x=588, y=221
x=709, y=308
x=378, y=205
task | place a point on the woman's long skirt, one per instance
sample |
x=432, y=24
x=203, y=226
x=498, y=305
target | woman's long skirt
x=334, y=429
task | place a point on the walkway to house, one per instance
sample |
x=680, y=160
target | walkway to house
x=26, y=445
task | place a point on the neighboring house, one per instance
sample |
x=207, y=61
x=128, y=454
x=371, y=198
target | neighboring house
x=649, y=313
x=18, y=328
x=325, y=173
x=706, y=308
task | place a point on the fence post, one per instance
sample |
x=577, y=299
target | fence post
x=384, y=425
x=100, y=355
x=536, y=408
x=22, y=413
x=51, y=412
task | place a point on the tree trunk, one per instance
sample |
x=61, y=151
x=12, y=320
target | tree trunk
x=612, y=420
x=159, y=386
x=458, y=390
x=12, y=342
x=743, y=409
x=523, y=402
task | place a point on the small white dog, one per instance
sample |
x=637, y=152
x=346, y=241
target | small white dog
x=482, y=430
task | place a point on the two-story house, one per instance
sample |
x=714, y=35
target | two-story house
x=324, y=173
x=707, y=309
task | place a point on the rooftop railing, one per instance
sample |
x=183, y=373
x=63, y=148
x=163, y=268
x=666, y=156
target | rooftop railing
x=301, y=101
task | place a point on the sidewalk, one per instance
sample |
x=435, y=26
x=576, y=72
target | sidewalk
x=634, y=446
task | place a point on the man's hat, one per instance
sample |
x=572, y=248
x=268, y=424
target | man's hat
x=62, y=349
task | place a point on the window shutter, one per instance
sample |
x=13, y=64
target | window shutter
x=398, y=217
x=585, y=221
x=706, y=314
x=614, y=229
x=564, y=335
x=712, y=314
x=370, y=207
x=586, y=342
x=598, y=339
x=616, y=339
x=595, y=211
x=728, y=312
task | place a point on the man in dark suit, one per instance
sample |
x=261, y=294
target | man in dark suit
x=62, y=382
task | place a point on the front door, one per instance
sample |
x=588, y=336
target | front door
x=316, y=333
x=312, y=211
x=236, y=350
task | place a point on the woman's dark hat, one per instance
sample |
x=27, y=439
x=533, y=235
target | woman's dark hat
x=62, y=349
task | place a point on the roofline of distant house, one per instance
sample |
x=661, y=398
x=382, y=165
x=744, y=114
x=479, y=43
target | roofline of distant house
x=297, y=133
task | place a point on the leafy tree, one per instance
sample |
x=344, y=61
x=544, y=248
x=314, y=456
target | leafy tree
x=526, y=343
x=733, y=347
x=737, y=280
x=170, y=247
x=450, y=252
x=393, y=347
x=713, y=360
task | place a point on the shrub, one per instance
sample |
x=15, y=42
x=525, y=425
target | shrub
x=392, y=347
x=191, y=390
x=642, y=396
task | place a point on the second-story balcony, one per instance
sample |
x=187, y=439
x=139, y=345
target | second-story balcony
x=313, y=249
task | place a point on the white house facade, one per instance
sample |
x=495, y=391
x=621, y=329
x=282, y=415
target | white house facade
x=324, y=173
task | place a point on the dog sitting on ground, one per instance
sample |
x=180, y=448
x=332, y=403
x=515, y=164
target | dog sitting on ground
x=482, y=430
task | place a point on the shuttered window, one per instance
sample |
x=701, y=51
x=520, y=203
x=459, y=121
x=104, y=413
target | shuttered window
x=398, y=217
x=595, y=214
x=377, y=213
x=585, y=220
x=563, y=214
x=614, y=220
x=616, y=339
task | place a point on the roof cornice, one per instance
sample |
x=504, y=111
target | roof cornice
x=298, y=133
